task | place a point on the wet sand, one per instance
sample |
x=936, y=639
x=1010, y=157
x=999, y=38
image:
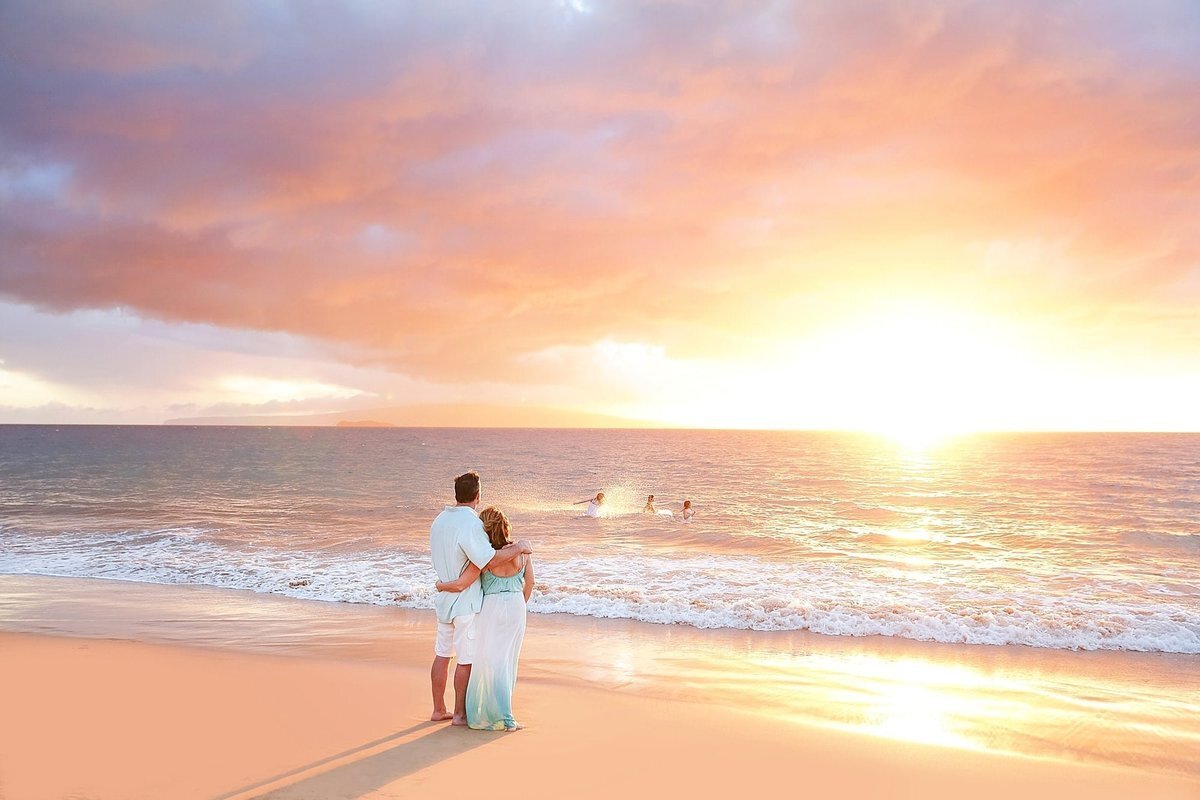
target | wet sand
x=125, y=690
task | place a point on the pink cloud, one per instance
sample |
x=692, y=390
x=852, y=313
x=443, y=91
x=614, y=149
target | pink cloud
x=654, y=173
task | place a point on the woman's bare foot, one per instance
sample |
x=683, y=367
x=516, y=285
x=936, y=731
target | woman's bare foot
x=459, y=721
x=440, y=716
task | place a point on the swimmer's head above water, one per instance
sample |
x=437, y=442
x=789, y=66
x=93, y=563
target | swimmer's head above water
x=598, y=500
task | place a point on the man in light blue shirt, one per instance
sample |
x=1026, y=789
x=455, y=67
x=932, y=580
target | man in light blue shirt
x=456, y=538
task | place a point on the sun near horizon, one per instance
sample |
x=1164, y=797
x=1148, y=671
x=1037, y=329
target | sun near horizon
x=947, y=220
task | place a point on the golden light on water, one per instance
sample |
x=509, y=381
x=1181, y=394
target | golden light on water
x=930, y=703
x=916, y=713
x=910, y=699
x=911, y=534
x=918, y=439
x=1019, y=703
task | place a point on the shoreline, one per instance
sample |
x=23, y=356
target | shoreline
x=1102, y=709
x=422, y=618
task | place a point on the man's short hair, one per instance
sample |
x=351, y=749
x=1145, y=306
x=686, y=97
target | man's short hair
x=466, y=487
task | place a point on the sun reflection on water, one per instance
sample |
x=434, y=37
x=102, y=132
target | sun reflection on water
x=923, y=702
x=908, y=699
x=915, y=714
x=911, y=534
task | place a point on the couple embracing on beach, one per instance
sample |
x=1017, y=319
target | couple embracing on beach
x=484, y=581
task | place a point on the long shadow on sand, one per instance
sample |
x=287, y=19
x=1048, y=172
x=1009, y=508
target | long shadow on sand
x=369, y=772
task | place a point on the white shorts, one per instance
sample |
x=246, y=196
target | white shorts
x=456, y=638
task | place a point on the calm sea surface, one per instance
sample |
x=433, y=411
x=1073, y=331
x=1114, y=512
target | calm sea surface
x=1069, y=541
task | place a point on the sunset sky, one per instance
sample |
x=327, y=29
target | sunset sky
x=865, y=215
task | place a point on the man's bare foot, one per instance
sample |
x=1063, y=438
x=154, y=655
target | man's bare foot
x=459, y=721
x=516, y=726
x=440, y=716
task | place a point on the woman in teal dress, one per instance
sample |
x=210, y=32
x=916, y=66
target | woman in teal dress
x=499, y=629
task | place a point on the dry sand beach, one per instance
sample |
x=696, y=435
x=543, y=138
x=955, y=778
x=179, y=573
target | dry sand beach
x=117, y=690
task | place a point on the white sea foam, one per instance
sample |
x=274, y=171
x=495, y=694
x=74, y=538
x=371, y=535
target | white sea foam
x=706, y=591
x=1049, y=541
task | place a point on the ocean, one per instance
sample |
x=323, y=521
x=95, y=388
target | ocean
x=1063, y=541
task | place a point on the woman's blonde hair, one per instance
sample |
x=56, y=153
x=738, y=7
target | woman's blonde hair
x=496, y=526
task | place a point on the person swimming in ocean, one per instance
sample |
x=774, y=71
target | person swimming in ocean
x=688, y=511
x=593, y=509
x=650, y=509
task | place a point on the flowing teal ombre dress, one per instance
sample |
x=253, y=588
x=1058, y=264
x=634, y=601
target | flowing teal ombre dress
x=499, y=631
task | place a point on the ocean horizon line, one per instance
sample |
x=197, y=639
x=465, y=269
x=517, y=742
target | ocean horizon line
x=644, y=428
